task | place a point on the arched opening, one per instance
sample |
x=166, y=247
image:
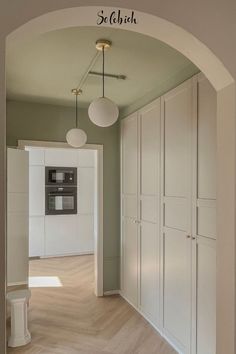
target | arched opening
x=224, y=84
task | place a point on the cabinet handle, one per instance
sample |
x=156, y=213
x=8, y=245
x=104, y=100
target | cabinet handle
x=193, y=238
x=188, y=236
x=136, y=221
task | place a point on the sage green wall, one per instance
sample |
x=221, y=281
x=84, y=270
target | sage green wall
x=37, y=121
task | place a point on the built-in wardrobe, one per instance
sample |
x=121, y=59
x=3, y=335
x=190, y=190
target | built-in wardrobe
x=168, y=243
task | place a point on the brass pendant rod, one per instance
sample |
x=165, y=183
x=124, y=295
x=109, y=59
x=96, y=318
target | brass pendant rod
x=103, y=70
x=76, y=111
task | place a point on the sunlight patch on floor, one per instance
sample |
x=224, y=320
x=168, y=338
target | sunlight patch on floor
x=44, y=282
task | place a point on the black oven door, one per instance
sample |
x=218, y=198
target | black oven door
x=60, y=200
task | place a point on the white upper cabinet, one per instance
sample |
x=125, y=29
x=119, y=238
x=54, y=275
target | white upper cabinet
x=206, y=139
x=61, y=157
x=36, y=156
x=130, y=154
x=150, y=126
x=177, y=110
x=37, y=190
x=86, y=158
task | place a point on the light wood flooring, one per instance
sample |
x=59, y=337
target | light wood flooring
x=72, y=320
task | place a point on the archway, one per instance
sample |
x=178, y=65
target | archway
x=224, y=84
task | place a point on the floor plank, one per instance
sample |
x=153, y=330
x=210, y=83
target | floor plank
x=71, y=320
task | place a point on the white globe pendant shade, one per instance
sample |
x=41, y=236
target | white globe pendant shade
x=103, y=112
x=76, y=137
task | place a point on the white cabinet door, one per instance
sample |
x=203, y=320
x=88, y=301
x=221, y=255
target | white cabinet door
x=129, y=209
x=207, y=104
x=36, y=190
x=177, y=125
x=149, y=197
x=86, y=158
x=61, y=157
x=36, y=156
x=205, y=224
x=36, y=236
x=85, y=237
x=86, y=185
x=61, y=235
x=17, y=216
x=206, y=296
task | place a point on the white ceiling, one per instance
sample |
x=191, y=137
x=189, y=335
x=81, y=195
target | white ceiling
x=46, y=69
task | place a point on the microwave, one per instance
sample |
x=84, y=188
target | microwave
x=65, y=176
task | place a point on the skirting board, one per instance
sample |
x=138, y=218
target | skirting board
x=69, y=255
x=111, y=292
x=18, y=283
x=152, y=324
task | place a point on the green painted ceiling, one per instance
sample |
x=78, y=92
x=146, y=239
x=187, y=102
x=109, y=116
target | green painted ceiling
x=47, y=68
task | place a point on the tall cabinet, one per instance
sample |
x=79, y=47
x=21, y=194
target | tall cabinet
x=140, y=209
x=168, y=214
x=176, y=172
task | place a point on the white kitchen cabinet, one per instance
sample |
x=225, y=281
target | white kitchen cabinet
x=69, y=234
x=36, y=236
x=61, y=235
x=61, y=157
x=172, y=282
x=36, y=156
x=86, y=187
x=86, y=158
x=37, y=190
x=85, y=234
x=17, y=216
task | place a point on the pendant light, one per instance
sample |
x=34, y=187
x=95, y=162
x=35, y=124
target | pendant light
x=76, y=137
x=102, y=111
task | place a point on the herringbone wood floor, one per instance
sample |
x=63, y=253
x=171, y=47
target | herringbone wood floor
x=71, y=320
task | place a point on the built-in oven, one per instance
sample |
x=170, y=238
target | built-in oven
x=61, y=200
x=60, y=176
x=60, y=190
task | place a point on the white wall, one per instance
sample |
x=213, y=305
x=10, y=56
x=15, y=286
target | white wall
x=54, y=235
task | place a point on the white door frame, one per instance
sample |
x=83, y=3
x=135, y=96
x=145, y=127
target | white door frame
x=98, y=215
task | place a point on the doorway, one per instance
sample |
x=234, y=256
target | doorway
x=223, y=199
x=62, y=232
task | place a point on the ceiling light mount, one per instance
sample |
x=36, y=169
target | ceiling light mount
x=103, y=44
x=76, y=91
